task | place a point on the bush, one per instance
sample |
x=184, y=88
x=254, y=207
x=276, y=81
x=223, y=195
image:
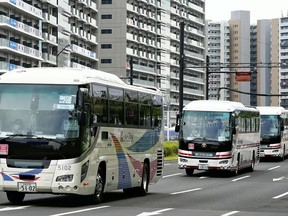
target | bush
x=170, y=148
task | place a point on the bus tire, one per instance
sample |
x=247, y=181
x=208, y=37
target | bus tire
x=15, y=197
x=143, y=189
x=189, y=171
x=252, y=166
x=97, y=197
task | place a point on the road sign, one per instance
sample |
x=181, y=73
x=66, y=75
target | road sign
x=243, y=76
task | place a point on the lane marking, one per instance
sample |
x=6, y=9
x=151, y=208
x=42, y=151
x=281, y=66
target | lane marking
x=186, y=191
x=237, y=179
x=230, y=213
x=79, y=211
x=278, y=179
x=155, y=212
x=272, y=168
x=176, y=174
x=281, y=195
x=13, y=208
x=203, y=177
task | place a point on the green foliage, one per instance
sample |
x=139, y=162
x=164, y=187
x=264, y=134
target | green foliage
x=171, y=149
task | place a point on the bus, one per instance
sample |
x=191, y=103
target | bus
x=78, y=132
x=274, y=132
x=218, y=135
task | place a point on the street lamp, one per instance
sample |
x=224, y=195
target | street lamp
x=67, y=45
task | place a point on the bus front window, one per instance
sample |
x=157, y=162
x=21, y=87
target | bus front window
x=270, y=126
x=45, y=110
x=198, y=125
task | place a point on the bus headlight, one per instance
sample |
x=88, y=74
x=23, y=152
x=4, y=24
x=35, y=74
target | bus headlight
x=84, y=170
x=65, y=178
x=223, y=162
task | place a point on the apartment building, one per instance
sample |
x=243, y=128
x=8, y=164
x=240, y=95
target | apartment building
x=240, y=52
x=283, y=56
x=218, y=50
x=148, y=32
x=36, y=33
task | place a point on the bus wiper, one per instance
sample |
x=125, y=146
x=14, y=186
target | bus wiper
x=14, y=135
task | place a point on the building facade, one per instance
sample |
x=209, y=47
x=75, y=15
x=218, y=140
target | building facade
x=218, y=50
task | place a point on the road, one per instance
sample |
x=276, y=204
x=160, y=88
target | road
x=263, y=192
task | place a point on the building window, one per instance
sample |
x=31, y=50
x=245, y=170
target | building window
x=106, y=61
x=106, y=16
x=106, y=46
x=106, y=31
x=106, y=2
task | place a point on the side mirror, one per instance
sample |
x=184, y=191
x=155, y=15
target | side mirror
x=81, y=95
x=177, y=126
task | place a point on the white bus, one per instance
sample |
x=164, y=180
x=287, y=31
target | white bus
x=218, y=135
x=274, y=132
x=81, y=132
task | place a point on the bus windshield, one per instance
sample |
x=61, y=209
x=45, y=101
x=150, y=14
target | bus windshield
x=200, y=125
x=38, y=110
x=270, y=126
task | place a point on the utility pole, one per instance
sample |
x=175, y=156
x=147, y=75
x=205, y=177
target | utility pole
x=182, y=66
x=131, y=70
x=207, y=77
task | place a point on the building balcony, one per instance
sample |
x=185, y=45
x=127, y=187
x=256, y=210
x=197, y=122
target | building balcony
x=23, y=7
x=50, y=38
x=50, y=19
x=76, y=65
x=84, y=52
x=92, y=5
x=51, y=2
x=5, y=67
x=9, y=23
x=16, y=48
x=49, y=58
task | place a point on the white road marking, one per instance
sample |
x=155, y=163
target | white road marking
x=281, y=195
x=230, y=213
x=237, y=179
x=278, y=179
x=79, y=211
x=272, y=168
x=202, y=177
x=155, y=212
x=172, y=175
x=13, y=208
x=186, y=191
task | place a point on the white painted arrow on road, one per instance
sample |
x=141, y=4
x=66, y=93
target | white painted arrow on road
x=13, y=208
x=278, y=179
x=154, y=213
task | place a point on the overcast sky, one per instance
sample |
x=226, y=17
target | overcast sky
x=218, y=10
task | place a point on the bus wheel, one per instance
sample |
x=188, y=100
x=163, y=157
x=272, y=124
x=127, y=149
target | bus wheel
x=97, y=197
x=143, y=189
x=189, y=171
x=15, y=197
x=252, y=163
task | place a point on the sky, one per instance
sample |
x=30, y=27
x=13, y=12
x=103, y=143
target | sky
x=218, y=10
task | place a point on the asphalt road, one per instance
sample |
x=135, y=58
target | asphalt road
x=263, y=192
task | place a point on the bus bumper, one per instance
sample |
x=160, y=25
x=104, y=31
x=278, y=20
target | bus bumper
x=205, y=164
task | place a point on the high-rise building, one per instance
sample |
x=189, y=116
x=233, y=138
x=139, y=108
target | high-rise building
x=283, y=56
x=240, y=53
x=264, y=57
x=148, y=33
x=36, y=33
x=218, y=50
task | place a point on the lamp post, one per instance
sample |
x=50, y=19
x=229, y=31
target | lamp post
x=67, y=45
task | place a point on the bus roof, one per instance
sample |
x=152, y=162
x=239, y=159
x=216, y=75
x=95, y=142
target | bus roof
x=66, y=76
x=271, y=110
x=215, y=105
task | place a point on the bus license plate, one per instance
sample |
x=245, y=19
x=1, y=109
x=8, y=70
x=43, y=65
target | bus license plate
x=203, y=167
x=26, y=187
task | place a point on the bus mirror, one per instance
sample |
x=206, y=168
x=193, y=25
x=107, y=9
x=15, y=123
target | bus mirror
x=177, y=126
x=81, y=95
x=82, y=117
